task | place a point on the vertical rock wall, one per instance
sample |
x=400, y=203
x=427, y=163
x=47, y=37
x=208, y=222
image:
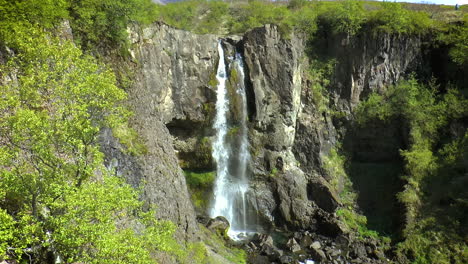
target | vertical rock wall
x=173, y=69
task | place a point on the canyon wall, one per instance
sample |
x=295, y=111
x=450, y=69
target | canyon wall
x=173, y=96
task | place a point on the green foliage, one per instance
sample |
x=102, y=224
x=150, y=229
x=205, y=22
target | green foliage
x=233, y=132
x=274, y=172
x=56, y=193
x=95, y=24
x=103, y=24
x=356, y=222
x=297, y=4
x=348, y=17
x=428, y=243
x=430, y=173
x=200, y=179
x=45, y=13
x=217, y=244
x=344, y=17
x=180, y=15
x=320, y=73
x=394, y=18
x=200, y=157
x=214, y=14
x=199, y=16
x=200, y=185
x=334, y=164
x=305, y=21
x=455, y=35
x=256, y=14
x=111, y=206
x=130, y=139
x=197, y=253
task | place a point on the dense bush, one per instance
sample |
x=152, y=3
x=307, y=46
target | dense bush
x=103, y=24
x=95, y=24
x=394, y=18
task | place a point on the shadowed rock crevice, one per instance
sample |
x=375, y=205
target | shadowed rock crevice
x=375, y=169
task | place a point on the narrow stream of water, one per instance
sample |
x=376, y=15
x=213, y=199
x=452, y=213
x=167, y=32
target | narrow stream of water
x=232, y=156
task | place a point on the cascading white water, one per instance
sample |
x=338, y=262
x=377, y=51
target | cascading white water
x=221, y=205
x=244, y=154
x=231, y=185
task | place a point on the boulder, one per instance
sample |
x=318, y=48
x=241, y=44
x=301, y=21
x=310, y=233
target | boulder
x=318, y=255
x=286, y=259
x=322, y=194
x=315, y=245
x=219, y=225
x=293, y=246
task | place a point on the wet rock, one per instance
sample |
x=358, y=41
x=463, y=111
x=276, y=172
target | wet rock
x=328, y=226
x=258, y=259
x=306, y=241
x=272, y=252
x=286, y=259
x=263, y=239
x=378, y=254
x=315, y=245
x=219, y=225
x=342, y=241
x=293, y=246
x=360, y=250
x=318, y=254
x=335, y=253
x=261, y=199
x=171, y=75
x=252, y=246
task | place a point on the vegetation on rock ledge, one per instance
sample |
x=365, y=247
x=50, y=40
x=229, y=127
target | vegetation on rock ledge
x=435, y=164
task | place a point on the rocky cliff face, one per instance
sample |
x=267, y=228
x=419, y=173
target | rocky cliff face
x=173, y=69
x=369, y=63
x=173, y=99
x=290, y=136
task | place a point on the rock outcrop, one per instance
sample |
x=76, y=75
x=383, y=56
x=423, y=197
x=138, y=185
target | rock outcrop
x=173, y=98
x=367, y=63
x=169, y=97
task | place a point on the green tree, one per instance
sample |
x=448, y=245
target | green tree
x=56, y=195
x=394, y=18
x=103, y=24
x=343, y=17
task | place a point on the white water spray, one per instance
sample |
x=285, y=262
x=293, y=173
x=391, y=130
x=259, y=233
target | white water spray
x=221, y=206
x=231, y=184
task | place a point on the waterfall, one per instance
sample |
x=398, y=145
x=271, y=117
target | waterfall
x=220, y=153
x=232, y=156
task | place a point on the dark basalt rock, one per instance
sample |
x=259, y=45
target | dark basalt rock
x=322, y=194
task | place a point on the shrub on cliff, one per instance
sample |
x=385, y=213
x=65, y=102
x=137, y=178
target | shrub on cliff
x=435, y=166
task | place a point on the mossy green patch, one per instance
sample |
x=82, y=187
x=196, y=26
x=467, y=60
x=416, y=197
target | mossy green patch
x=200, y=186
x=235, y=99
x=199, y=179
x=218, y=244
